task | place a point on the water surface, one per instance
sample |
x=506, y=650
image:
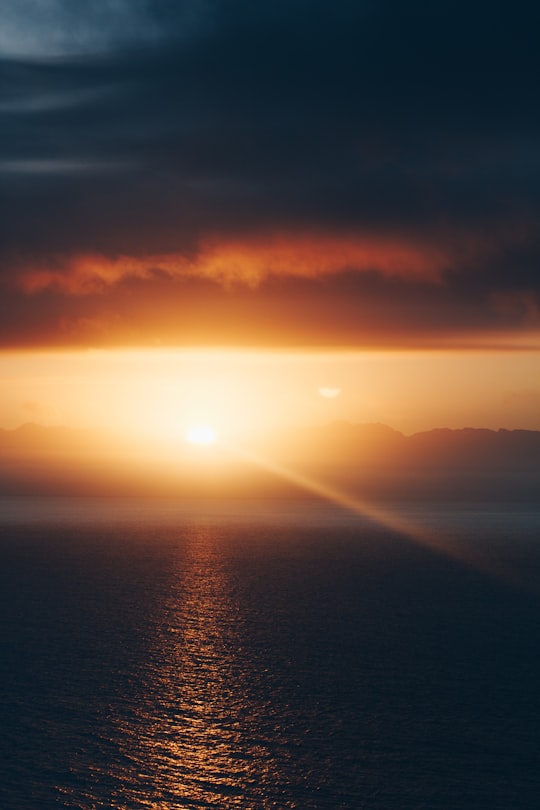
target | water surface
x=267, y=654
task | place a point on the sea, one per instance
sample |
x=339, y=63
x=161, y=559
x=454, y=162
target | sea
x=268, y=654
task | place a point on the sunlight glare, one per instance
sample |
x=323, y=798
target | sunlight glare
x=201, y=434
x=329, y=393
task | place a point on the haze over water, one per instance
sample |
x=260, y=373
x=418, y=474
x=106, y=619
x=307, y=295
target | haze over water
x=267, y=654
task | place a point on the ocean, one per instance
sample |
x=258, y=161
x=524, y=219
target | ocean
x=170, y=654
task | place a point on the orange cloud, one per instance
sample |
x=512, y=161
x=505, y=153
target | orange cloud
x=309, y=257
x=247, y=262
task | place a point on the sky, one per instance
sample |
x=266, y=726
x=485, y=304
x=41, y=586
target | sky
x=163, y=393
x=327, y=179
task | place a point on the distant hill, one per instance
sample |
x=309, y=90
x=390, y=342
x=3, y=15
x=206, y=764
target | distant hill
x=372, y=459
x=376, y=445
x=379, y=461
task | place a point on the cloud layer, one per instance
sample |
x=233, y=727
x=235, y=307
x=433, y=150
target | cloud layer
x=355, y=173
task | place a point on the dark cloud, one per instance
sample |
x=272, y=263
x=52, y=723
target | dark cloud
x=415, y=124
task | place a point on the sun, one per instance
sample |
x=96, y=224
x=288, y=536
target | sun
x=329, y=393
x=201, y=434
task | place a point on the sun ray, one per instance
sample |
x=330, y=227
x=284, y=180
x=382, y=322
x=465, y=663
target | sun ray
x=420, y=534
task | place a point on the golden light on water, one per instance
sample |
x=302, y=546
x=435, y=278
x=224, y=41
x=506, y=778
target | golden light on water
x=200, y=742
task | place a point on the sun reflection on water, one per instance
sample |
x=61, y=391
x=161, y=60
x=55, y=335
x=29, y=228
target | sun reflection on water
x=194, y=741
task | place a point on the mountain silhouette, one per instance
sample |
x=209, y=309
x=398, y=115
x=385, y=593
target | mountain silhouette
x=372, y=459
